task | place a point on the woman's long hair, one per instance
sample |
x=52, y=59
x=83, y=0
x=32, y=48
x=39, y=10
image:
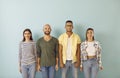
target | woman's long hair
x=29, y=32
x=87, y=31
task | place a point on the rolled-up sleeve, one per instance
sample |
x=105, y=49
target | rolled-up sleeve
x=60, y=39
x=78, y=39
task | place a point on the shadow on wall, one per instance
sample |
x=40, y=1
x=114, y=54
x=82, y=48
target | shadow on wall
x=80, y=29
x=36, y=36
x=57, y=32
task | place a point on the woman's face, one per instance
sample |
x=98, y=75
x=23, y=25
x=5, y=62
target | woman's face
x=90, y=34
x=27, y=34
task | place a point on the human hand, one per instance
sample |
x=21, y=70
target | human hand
x=101, y=67
x=56, y=67
x=62, y=65
x=81, y=69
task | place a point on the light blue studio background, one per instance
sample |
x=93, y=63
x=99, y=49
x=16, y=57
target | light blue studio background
x=102, y=15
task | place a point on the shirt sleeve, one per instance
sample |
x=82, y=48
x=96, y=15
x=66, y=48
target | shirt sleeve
x=38, y=49
x=99, y=55
x=20, y=53
x=81, y=55
x=57, y=44
x=35, y=50
x=78, y=39
x=60, y=39
x=81, y=64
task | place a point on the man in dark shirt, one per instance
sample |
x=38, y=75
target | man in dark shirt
x=47, y=51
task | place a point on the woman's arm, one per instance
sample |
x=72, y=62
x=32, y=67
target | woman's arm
x=20, y=57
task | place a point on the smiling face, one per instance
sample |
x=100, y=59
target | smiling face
x=47, y=29
x=27, y=35
x=90, y=34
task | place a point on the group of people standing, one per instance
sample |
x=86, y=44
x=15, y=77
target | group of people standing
x=68, y=50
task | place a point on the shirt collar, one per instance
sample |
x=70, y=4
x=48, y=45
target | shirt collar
x=70, y=36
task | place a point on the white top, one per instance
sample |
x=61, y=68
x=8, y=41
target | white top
x=69, y=49
x=90, y=49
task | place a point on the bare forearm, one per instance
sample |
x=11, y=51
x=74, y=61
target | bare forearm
x=56, y=60
x=60, y=53
x=38, y=61
x=78, y=54
x=61, y=60
x=78, y=58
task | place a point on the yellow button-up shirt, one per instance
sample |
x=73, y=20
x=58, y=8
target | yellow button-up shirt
x=63, y=39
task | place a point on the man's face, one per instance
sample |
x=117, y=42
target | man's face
x=47, y=30
x=69, y=27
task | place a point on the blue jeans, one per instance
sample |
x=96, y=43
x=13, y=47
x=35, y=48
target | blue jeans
x=69, y=65
x=48, y=71
x=28, y=71
x=90, y=68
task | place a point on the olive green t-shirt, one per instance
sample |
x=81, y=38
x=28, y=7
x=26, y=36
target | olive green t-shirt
x=47, y=51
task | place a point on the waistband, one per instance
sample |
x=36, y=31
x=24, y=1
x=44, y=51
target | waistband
x=68, y=60
x=91, y=57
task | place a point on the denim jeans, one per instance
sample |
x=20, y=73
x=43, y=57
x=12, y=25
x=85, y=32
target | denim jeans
x=28, y=71
x=90, y=68
x=48, y=71
x=69, y=65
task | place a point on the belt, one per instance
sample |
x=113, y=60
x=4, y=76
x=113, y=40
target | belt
x=90, y=57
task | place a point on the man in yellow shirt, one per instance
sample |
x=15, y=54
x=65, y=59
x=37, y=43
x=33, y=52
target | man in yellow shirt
x=69, y=50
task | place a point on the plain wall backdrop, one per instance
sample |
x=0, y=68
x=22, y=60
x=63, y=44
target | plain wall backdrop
x=102, y=15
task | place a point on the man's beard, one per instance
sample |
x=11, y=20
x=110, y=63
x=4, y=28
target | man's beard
x=69, y=30
x=47, y=33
